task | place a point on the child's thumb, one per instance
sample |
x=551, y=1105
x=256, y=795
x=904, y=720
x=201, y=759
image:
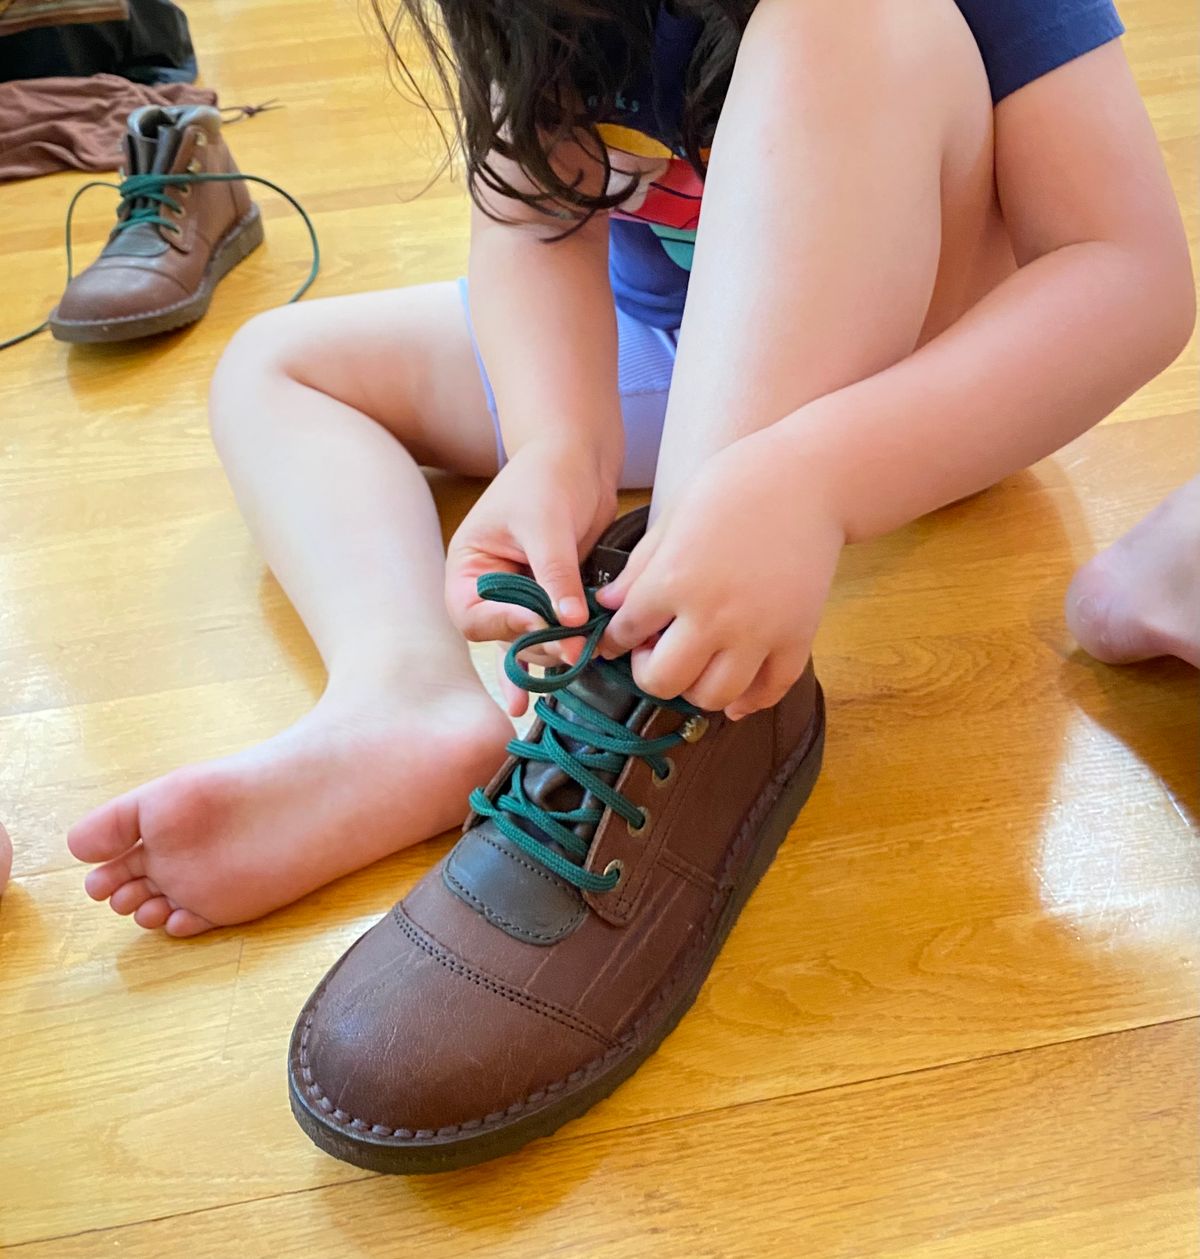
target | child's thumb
x=613, y=595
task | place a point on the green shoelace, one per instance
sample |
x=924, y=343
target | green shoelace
x=147, y=196
x=607, y=743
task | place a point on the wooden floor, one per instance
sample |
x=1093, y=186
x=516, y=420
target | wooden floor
x=958, y=1019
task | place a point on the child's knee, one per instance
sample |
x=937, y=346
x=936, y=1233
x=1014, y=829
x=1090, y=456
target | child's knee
x=262, y=348
x=264, y=343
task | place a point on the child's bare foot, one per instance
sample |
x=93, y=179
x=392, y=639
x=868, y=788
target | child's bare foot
x=5, y=857
x=229, y=840
x=1141, y=597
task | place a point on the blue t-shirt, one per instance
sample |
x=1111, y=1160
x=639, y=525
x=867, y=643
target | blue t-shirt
x=653, y=234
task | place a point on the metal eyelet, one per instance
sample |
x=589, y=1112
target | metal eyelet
x=693, y=730
x=666, y=778
x=201, y=139
x=617, y=868
x=637, y=830
x=194, y=167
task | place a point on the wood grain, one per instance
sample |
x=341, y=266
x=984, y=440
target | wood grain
x=959, y=1017
x=940, y=1163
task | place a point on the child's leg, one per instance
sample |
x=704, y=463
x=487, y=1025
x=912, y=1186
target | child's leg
x=1141, y=597
x=838, y=230
x=321, y=413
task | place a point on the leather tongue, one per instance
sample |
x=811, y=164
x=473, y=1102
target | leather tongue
x=153, y=135
x=611, y=552
x=141, y=139
x=549, y=786
x=485, y=869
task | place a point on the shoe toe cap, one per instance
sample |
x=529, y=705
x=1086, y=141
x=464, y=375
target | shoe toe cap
x=113, y=289
x=405, y=1039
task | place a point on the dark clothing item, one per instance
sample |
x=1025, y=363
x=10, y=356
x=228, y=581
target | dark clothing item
x=25, y=15
x=153, y=46
x=651, y=246
x=49, y=125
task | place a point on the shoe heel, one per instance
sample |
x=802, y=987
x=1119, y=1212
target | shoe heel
x=242, y=241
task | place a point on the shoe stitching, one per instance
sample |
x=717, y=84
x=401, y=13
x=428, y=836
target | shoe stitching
x=631, y=1038
x=173, y=306
x=628, y=899
x=523, y=933
x=441, y=954
x=684, y=869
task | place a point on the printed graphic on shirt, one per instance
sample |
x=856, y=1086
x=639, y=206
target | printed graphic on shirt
x=667, y=197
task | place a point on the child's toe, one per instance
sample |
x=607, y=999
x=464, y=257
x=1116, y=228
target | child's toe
x=104, y=880
x=130, y=897
x=153, y=913
x=106, y=832
x=183, y=922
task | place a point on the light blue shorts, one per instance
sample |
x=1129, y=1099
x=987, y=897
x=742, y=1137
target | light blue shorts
x=646, y=358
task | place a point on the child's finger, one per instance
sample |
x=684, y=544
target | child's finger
x=673, y=665
x=485, y=622
x=617, y=590
x=516, y=701
x=776, y=677
x=481, y=620
x=555, y=565
x=644, y=613
x=726, y=677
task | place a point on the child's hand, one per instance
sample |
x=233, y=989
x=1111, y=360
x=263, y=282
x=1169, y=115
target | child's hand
x=545, y=509
x=734, y=575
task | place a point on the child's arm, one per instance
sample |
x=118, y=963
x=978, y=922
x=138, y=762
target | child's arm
x=545, y=325
x=1103, y=301
x=545, y=322
x=742, y=556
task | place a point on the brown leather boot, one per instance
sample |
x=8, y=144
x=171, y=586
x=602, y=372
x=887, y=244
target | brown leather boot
x=173, y=241
x=570, y=928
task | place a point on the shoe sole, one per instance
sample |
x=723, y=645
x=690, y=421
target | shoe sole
x=381, y=1154
x=241, y=240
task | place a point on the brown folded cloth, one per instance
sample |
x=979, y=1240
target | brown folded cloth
x=76, y=123
x=26, y=15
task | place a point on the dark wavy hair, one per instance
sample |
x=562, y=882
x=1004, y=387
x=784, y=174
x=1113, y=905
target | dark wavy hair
x=520, y=76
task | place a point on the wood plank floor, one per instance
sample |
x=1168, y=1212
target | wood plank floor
x=960, y=1017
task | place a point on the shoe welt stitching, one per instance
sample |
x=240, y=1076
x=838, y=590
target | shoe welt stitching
x=173, y=306
x=495, y=1118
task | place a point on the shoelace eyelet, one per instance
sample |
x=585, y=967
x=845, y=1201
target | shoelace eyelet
x=637, y=830
x=693, y=730
x=661, y=781
x=616, y=867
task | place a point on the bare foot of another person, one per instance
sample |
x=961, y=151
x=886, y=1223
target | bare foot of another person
x=230, y=840
x=5, y=858
x=1141, y=597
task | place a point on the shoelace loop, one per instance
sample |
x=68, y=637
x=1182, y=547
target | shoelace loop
x=152, y=188
x=608, y=744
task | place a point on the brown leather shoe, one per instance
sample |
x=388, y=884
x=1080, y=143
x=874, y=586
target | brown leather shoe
x=568, y=931
x=170, y=246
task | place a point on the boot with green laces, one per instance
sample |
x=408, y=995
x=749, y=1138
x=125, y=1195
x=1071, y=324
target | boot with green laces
x=571, y=927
